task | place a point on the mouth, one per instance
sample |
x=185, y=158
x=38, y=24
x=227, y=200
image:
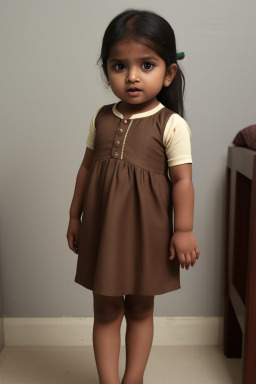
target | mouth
x=134, y=91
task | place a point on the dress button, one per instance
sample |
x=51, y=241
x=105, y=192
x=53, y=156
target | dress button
x=121, y=130
x=125, y=121
x=116, y=153
x=118, y=141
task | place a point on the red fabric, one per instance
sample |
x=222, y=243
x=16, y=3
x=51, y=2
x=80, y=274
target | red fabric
x=246, y=137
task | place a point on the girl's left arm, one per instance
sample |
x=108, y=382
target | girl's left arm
x=183, y=240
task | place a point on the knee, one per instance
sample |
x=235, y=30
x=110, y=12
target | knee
x=139, y=311
x=108, y=312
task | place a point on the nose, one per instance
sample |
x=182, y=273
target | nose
x=132, y=76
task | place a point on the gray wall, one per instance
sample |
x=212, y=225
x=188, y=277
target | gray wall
x=51, y=86
x=2, y=342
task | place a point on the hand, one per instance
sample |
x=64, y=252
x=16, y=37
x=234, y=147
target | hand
x=73, y=234
x=185, y=245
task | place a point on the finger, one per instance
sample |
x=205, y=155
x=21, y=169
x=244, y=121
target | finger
x=172, y=252
x=71, y=244
x=197, y=253
x=70, y=241
x=188, y=260
x=193, y=263
x=76, y=246
x=182, y=260
x=193, y=257
x=76, y=242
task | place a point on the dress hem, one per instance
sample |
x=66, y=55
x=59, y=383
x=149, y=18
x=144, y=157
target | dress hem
x=159, y=292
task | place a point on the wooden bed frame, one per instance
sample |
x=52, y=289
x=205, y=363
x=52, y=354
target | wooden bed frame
x=240, y=260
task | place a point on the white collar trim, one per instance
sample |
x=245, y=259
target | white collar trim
x=137, y=115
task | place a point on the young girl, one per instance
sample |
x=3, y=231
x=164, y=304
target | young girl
x=136, y=170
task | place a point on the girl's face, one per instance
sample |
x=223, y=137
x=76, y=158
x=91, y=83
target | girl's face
x=137, y=74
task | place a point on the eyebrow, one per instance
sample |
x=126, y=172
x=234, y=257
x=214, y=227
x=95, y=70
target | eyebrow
x=142, y=58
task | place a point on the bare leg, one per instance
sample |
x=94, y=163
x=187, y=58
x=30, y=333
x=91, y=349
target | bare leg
x=139, y=336
x=108, y=316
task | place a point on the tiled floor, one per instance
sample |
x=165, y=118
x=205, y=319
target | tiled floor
x=76, y=365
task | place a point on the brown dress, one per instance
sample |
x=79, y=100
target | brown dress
x=124, y=241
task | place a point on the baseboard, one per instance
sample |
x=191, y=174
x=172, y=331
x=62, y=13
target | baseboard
x=77, y=331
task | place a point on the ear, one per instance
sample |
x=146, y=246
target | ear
x=170, y=74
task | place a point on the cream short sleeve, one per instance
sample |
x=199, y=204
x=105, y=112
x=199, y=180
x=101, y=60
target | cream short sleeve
x=176, y=140
x=91, y=135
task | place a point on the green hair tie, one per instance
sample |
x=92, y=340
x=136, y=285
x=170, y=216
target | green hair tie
x=180, y=55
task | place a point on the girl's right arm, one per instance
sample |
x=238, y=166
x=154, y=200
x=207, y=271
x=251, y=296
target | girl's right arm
x=76, y=207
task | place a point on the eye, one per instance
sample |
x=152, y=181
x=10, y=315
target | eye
x=147, y=65
x=119, y=67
